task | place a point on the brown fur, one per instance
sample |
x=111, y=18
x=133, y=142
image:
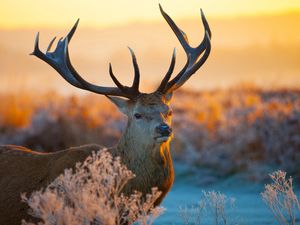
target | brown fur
x=24, y=170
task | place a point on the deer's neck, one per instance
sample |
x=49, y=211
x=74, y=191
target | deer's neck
x=133, y=148
x=151, y=163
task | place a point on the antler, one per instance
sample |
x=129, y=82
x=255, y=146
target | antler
x=59, y=59
x=193, y=62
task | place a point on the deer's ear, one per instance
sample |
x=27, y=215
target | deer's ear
x=121, y=103
x=168, y=97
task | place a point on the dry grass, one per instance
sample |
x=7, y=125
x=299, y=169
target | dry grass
x=281, y=199
x=213, y=205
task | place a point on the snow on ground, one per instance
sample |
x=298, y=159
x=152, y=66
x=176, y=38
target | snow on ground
x=248, y=209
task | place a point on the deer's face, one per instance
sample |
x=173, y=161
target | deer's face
x=149, y=117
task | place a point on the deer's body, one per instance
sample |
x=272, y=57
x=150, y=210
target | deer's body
x=144, y=147
x=149, y=161
x=35, y=171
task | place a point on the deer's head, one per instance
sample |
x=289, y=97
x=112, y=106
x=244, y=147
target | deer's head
x=149, y=115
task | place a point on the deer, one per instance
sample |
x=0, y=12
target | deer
x=144, y=147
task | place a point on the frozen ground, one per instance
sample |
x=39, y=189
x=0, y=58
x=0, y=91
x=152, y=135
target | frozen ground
x=249, y=209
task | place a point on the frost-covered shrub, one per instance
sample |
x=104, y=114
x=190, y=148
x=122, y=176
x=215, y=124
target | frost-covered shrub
x=91, y=195
x=213, y=204
x=281, y=199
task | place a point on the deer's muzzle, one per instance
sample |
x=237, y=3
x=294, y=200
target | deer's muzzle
x=164, y=130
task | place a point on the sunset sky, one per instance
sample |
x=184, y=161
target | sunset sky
x=99, y=13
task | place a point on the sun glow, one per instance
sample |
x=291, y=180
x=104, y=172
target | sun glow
x=95, y=13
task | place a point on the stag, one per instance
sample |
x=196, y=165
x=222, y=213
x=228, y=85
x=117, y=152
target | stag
x=144, y=147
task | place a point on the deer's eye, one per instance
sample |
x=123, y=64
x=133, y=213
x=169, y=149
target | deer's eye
x=137, y=116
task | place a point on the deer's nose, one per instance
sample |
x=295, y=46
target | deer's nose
x=164, y=129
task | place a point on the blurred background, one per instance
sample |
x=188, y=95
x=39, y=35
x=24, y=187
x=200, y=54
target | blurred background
x=253, y=42
x=236, y=120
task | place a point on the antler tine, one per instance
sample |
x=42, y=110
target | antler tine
x=167, y=77
x=205, y=24
x=201, y=47
x=176, y=78
x=113, y=77
x=50, y=44
x=178, y=32
x=72, y=31
x=59, y=59
x=134, y=89
x=136, y=81
x=36, y=50
x=193, y=54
